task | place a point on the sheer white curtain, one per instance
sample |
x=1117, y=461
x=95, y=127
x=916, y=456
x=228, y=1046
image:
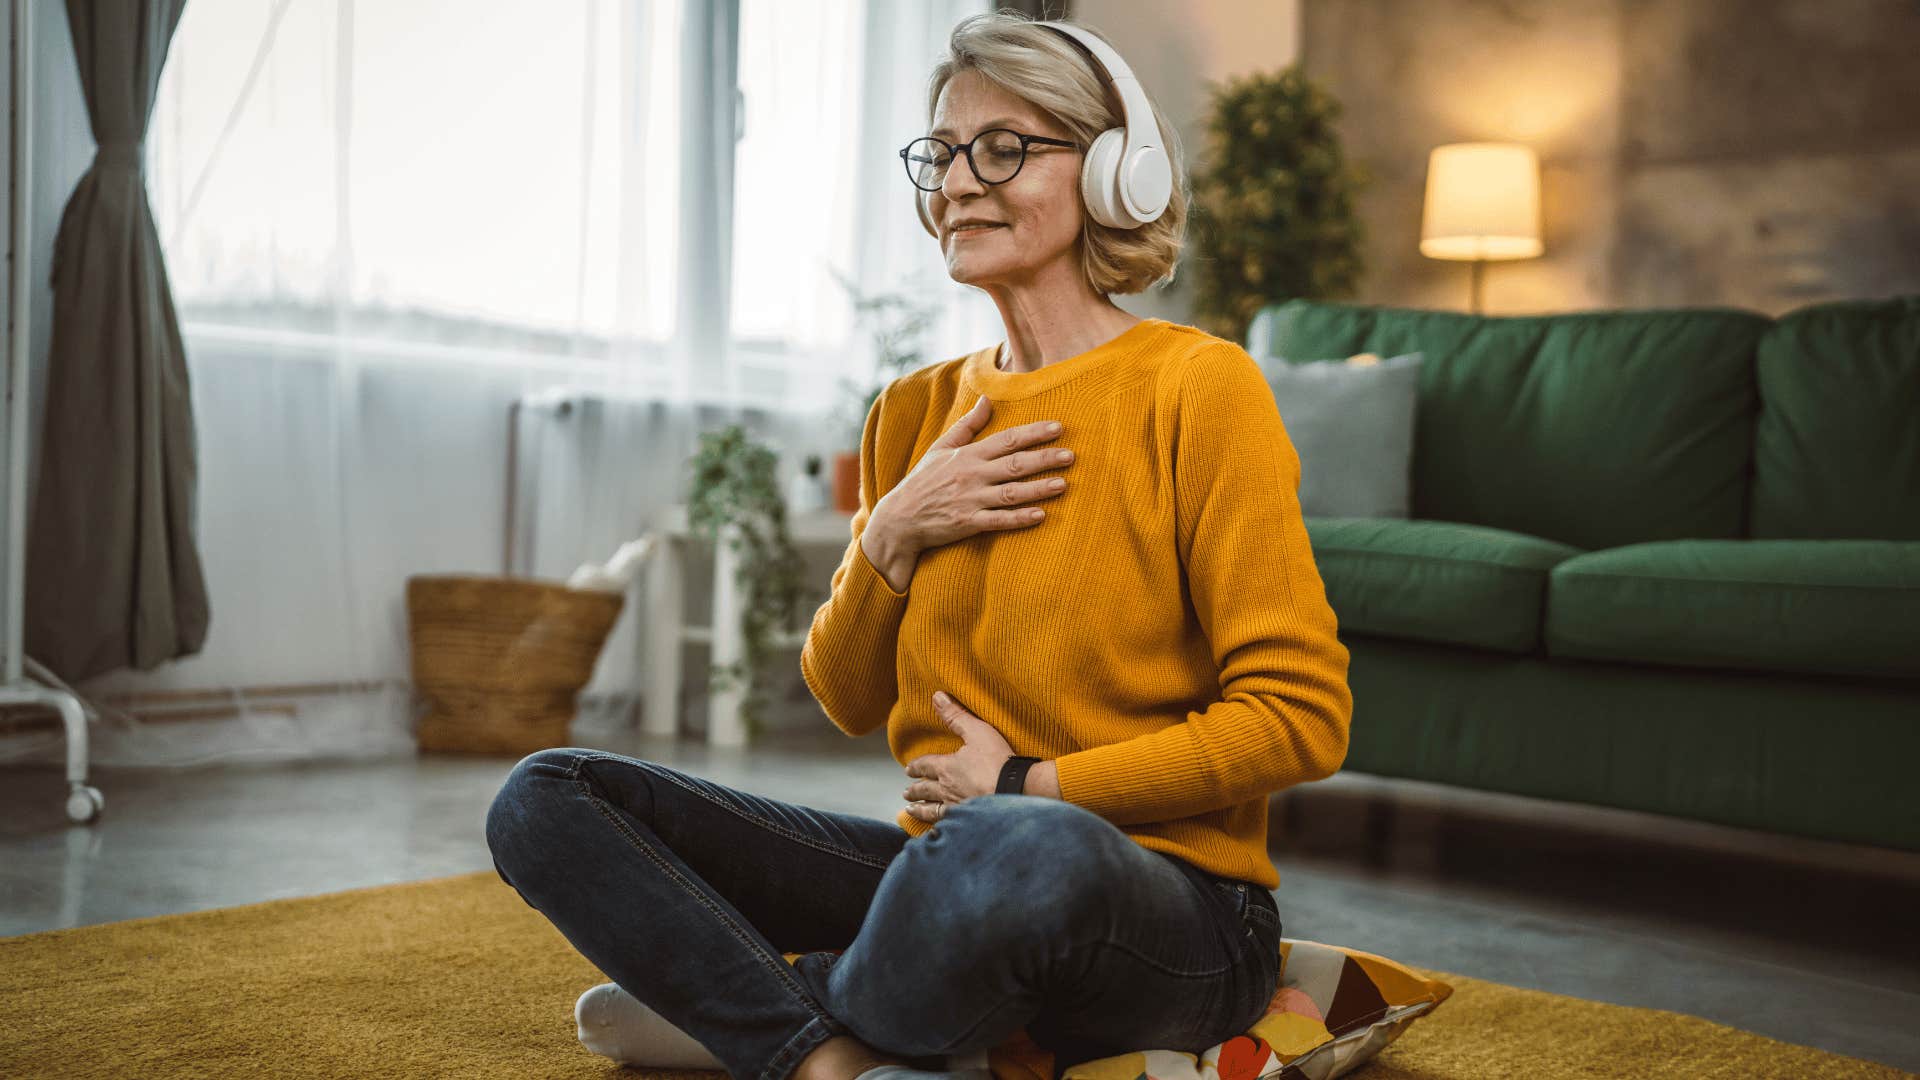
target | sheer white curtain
x=387, y=222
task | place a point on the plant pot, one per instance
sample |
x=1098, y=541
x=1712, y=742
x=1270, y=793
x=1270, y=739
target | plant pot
x=846, y=481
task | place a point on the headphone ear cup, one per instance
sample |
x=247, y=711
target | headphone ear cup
x=1147, y=181
x=1099, y=176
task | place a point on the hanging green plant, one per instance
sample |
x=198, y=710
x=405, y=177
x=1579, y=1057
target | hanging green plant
x=1273, y=212
x=734, y=484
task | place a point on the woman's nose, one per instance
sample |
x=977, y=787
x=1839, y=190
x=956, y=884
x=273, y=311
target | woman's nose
x=960, y=180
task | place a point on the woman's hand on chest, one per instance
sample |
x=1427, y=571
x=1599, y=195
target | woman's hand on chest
x=961, y=487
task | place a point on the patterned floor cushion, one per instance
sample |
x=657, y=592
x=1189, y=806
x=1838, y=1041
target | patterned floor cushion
x=1335, y=1008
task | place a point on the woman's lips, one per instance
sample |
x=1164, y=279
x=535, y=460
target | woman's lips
x=961, y=233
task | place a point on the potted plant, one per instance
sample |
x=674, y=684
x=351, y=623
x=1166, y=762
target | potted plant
x=734, y=484
x=898, y=324
x=1273, y=211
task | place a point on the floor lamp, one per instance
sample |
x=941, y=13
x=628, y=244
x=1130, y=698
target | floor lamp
x=1482, y=205
x=84, y=802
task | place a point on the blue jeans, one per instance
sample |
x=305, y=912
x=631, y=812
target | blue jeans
x=1013, y=911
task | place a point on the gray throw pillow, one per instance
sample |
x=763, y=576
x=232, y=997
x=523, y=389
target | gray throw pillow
x=1352, y=425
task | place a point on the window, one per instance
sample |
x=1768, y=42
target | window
x=513, y=182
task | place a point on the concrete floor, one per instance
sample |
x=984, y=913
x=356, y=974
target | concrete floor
x=1798, y=940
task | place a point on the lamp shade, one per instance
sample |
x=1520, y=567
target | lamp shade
x=1483, y=202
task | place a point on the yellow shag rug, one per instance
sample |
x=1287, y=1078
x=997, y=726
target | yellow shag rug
x=458, y=977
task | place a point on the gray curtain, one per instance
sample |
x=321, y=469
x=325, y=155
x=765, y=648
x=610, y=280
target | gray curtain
x=113, y=574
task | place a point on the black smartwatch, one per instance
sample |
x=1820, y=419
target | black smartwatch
x=1013, y=775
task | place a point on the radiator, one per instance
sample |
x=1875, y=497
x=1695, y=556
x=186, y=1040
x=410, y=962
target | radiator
x=587, y=470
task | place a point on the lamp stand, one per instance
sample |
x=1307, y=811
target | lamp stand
x=1474, y=279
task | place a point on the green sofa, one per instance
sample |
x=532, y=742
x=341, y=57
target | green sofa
x=1664, y=560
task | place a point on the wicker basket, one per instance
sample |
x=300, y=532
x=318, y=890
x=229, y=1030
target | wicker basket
x=499, y=660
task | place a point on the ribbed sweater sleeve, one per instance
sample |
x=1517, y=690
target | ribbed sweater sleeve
x=1284, y=705
x=850, y=652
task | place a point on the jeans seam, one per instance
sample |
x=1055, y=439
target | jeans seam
x=796, y=1048
x=777, y=965
x=831, y=849
x=1159, y=967
x=1218, y=973
x=992, y=1011
x=1244, y=906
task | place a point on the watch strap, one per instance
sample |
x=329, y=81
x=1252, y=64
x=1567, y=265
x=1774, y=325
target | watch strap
x=1013, y=775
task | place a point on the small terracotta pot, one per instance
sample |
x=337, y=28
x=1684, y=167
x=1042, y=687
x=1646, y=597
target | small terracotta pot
x=846, y=481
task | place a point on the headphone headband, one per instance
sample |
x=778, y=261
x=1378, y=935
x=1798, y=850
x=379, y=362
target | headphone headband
x=1129, y=184
x=1133, y=104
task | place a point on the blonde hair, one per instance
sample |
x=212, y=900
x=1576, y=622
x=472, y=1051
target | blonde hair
x=1043, y=67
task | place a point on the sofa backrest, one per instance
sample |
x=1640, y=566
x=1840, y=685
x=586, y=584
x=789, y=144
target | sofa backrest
x=1594, y=428
x=1837, y=450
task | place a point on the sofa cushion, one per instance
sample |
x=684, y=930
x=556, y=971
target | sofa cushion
x=1591, y=428
x=1837, y=448
x=1439, y=581
x=1842, y=607
x=1351, y=421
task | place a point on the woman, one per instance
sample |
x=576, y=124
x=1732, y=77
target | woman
x=1157, y=634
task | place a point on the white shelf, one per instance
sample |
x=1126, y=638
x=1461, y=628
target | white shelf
x=667, y=632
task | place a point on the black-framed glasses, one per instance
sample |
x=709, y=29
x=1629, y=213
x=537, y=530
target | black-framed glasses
x=1005, y=155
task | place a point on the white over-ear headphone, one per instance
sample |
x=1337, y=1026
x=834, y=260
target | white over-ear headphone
x=1126, y=178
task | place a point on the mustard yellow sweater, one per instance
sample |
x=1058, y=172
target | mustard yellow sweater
x=1162, y=635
